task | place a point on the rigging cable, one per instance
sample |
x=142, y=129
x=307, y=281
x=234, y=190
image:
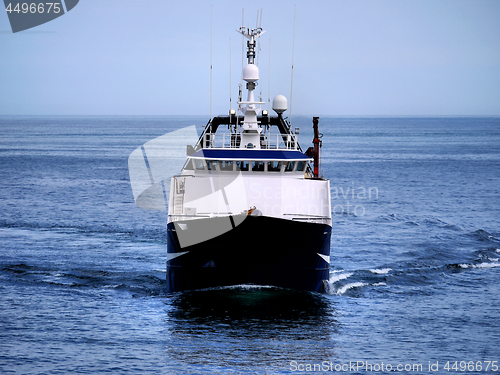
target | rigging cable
x=293, y=57
x=230, y=84
x=269, y=84
x=240, y=86
x=259, y=26
x=210, y=68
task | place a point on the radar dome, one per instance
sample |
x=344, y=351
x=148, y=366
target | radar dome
x=251, y=73
x=280, y=104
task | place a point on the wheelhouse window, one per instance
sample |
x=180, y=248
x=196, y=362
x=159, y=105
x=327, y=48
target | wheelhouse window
x=243, y=165
x=199, y=164
x=301, y=165
x=258, y=166
x=212, y=165
x=226, y=165
x=289, y=166
x=274, y=166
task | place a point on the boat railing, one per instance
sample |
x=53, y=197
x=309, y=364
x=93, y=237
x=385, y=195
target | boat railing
x=267, y=141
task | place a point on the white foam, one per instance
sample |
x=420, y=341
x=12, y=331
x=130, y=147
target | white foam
x=486, y=265
x=337, y=276
x=346, y=287
x=497, y=250
x=342, y=276
x=480, y=265
x=382, y=271
x=379, y=284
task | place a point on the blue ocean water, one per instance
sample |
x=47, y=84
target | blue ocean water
x=415, y=257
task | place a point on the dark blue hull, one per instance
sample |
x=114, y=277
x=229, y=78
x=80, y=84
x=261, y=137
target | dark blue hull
x=260, y=250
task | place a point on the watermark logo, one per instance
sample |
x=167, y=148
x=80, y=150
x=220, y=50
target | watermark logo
x=351, y=200
x=156, y=184
x=25, y=14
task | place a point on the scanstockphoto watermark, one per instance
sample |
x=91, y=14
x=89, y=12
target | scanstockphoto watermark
x=368, y=366
x=352, y=200
x=357, y=366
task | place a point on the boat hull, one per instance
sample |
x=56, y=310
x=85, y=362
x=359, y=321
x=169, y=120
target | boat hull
x=260, y=250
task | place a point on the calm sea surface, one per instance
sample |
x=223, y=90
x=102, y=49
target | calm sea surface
x=414, y=285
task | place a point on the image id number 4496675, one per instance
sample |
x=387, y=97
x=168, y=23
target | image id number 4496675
x=34, y=8
x=471, y=366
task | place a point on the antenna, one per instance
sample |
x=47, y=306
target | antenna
x=242, y=42
x=269, y=84
x=293, y=57
x=230, y=84
x=210, y=68
x=240, y=98
x=259, y=26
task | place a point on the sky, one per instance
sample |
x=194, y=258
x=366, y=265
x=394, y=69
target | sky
x=350, y=58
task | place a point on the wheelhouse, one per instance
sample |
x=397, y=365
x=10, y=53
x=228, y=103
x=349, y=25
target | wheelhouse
x=275, y=153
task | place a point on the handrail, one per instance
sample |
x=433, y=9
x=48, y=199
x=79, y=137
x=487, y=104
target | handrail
x=267, y=141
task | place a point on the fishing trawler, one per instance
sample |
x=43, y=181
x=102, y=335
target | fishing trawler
x=247, y=206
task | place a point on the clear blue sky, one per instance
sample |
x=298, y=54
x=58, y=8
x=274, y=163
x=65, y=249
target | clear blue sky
x=135, y=57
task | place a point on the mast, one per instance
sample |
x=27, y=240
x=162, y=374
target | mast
x=250, y=132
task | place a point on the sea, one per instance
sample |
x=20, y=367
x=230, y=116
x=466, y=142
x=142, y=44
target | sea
x=415, y=257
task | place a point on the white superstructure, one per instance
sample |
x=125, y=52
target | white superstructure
x=250, y=168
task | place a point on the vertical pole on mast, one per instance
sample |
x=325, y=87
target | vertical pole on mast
x=269, y=84
x=230, y=85
x=293, y=57
x=210, y=68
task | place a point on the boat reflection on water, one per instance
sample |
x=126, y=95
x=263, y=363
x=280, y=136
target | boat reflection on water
x=247, y=327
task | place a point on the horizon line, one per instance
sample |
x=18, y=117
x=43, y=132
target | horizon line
x=208, y=116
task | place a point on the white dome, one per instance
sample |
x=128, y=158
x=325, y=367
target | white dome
x=280, y=104
x=251, y=73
